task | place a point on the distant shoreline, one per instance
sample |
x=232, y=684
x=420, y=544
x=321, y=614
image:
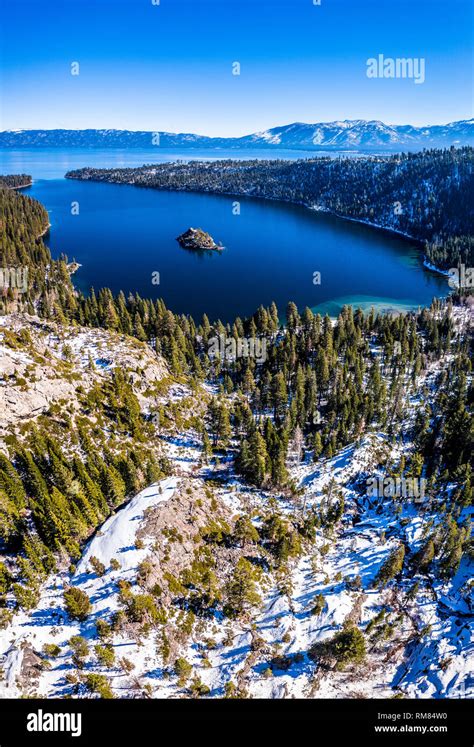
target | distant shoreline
x=23, y=186
x=44, y=231
x=315, y=208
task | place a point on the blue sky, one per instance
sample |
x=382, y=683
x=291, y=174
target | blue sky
x=169, y=66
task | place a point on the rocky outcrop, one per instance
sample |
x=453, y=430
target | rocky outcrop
x=196, y=238
x=42, y=363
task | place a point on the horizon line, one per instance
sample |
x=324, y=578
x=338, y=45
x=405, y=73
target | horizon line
x=233, y=137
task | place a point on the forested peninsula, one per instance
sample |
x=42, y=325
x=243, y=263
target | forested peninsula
x=427, y=196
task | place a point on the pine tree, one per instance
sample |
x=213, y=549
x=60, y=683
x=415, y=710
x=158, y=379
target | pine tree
x=245, y=532
x=78, y=604
x=241, y=591
x=112, y=485
x=279, y=395
x=391, y=567
x=317, y=446
x=424, y=557
x=206, y=447
x=255, y=466
x=219, y=423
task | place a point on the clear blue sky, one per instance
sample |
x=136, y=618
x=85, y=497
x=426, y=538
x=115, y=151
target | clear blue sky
x=169, y=67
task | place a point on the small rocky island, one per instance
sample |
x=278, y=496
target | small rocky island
x=196, y=238
x=73, y=267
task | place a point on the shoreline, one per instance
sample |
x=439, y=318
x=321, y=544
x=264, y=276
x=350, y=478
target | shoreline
x=433, y=268
x=315, y=208
x=44, y=232
x=73, y=267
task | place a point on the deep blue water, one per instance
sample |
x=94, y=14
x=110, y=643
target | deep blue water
x=124, y=234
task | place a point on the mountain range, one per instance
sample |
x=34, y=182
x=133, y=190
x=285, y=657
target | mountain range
x=358, y=134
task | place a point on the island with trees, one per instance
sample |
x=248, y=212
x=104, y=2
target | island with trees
x=198, y=240
x=426, y=196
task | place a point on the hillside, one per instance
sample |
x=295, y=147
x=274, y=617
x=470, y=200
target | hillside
x=181, y=520
x=205, y=585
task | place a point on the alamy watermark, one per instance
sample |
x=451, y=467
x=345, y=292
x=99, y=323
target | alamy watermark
x=397, y=67
x=15, y=278
x=231, y=348
x=409, y=488
x=41, y=721
x=461, y=277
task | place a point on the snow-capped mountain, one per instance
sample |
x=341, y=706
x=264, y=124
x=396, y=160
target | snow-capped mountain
x=100, y=139
x=356, y=134
x=363, y=134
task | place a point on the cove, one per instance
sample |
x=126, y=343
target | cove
x=122, y=235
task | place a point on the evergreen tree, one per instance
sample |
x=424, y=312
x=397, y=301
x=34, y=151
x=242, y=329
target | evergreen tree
x=241, y=591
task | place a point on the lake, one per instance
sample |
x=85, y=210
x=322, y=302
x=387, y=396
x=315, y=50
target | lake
x=125, y=237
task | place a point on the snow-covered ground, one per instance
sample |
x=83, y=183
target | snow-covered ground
x=285, y=624
x=429, y=653
x=48, y=623
x=116, y=538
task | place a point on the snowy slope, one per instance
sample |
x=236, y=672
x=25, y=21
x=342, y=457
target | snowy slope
x=284, y=626
x=428, y=649
x=116, y=538
x=48, y=623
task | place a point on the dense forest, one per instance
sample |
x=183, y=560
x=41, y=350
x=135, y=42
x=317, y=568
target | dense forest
x=321, y=386
x=397, y=389
x=428, y=196
x=24, y=221
x=15, y=181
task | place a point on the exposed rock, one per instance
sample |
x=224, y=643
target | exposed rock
x=21, y=667
x=42, y=363
x=189, y=510
x=196, y=238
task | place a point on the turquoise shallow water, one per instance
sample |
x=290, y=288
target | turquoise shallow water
x=366, y=303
